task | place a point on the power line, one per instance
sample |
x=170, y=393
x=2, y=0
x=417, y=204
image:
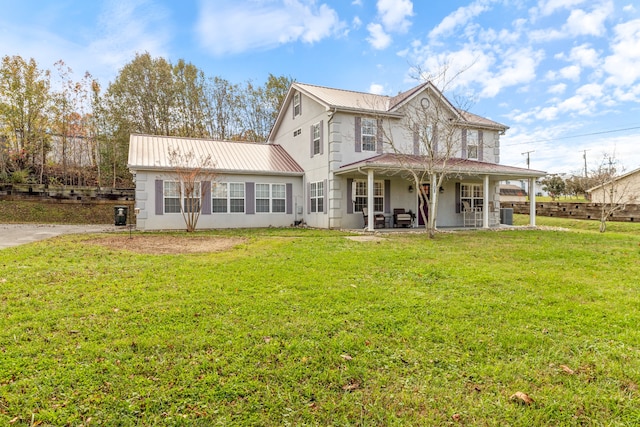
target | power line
x=572, y=136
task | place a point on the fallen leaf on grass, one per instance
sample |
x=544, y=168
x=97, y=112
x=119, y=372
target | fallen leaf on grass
x=521, y=397
x=346, y=357
x=267, y=339
x=14, y=420
x=351, y=386
x=567, y=369
x=456, y=417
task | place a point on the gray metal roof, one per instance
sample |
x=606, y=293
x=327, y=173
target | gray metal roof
x=152, y=152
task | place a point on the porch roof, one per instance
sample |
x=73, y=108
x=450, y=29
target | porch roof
x=393, y=163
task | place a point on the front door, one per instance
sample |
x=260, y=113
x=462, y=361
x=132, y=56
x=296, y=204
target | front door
x=425, y=190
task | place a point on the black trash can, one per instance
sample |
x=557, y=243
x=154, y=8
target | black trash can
x=120, y=215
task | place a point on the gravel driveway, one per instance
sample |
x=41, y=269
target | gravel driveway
x=20, y=234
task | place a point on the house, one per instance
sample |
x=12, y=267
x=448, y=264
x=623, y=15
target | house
x=623, y=189
x=510, y=193
x=337, y=153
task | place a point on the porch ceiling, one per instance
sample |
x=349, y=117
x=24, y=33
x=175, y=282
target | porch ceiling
x=393, y=164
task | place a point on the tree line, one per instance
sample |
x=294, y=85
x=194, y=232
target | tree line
x=58, y=129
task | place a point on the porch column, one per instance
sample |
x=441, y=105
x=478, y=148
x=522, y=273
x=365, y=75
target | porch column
x=485, y=201
x=532, y=202
x=371, y=221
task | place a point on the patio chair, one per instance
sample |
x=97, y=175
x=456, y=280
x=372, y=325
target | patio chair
x=401, y=218
x=471, y=216
x=378, y=220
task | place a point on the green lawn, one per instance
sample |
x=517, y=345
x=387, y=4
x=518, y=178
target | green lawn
x=306, y=327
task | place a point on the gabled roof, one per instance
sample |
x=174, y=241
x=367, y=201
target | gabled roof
x=617, y=178
x=369, y=103
x=396, y=162
x=151, y=152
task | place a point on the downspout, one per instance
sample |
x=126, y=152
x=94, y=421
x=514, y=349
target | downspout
x=330, y=172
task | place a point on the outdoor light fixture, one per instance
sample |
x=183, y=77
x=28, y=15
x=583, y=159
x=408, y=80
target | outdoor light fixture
x=410, y=188
x=440, y=190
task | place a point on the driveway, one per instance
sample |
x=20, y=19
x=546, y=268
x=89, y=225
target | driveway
x=20, y=234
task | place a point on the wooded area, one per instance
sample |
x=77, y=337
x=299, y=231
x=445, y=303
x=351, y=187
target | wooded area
x=57, y=129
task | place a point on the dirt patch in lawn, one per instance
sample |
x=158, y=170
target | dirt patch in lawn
x=161, y=244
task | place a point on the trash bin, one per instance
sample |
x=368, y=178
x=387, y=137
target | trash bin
x=120, y=215
x=506, y=216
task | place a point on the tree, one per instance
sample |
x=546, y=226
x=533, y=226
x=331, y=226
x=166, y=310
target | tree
x=194, y=175
x=611, y=190
x=554, y=185
x=434, y=127
x=24, y=112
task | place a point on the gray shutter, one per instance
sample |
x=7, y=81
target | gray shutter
x=379, y=136
x=349, y=195
x=458, y=197
x=311, y=141
x=416, y=141
x=325, y=197
x=358, y=134
x=250, y=197
x=321, y=136
x=464, y=144
x=308, y=197
x=206, y=197
x=159, y=197
x=387, y=196
x=480, y=146
x=289, y=201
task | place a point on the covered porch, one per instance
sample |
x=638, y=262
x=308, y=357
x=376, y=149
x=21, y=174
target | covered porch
x=468, y=196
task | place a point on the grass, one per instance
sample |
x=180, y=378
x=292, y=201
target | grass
x=306, y=327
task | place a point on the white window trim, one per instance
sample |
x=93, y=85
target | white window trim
x=371, y=143
x=297, y=101
x=360, y=192
x=472, y=193
x=317, y=197
x=180, y=196
x=271, y=198
x=228, y=197
x=472, y=144
x=316, y=139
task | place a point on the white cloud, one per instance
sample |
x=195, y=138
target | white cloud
x=459, y=18
x=629, y=8
x=356, y=23
x=582, y=23
x=519, y=67
x=357, y=2
x=548, y=7
x=394, y=14
x=572, y=72
x=377, y=37
x=558, y=89
x=231, y=27
x=376, y=89
x=623, y=66
x=129, y=27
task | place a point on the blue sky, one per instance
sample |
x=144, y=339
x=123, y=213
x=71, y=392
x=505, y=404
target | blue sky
x=564, y=75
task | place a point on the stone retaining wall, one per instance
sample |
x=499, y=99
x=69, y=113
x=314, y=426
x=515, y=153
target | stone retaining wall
x=631, y=213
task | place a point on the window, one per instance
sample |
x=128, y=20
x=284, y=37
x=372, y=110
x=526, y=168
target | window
x=173, y=190
x=191, y=197
x=270, y=198
x=360, y=195
x=317, y=196
x=368, y=135
x=227, y=197
x=472, y=144
x=297, y=110
x=472, y=194
x=316, y=138
x=171, y=194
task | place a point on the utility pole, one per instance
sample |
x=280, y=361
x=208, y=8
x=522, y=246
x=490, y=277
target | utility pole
x=584, y=156
x=528, y=159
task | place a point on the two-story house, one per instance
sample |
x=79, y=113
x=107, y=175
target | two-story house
x=333, y=154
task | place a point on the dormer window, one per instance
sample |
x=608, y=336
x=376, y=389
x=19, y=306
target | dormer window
x=297, y=107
